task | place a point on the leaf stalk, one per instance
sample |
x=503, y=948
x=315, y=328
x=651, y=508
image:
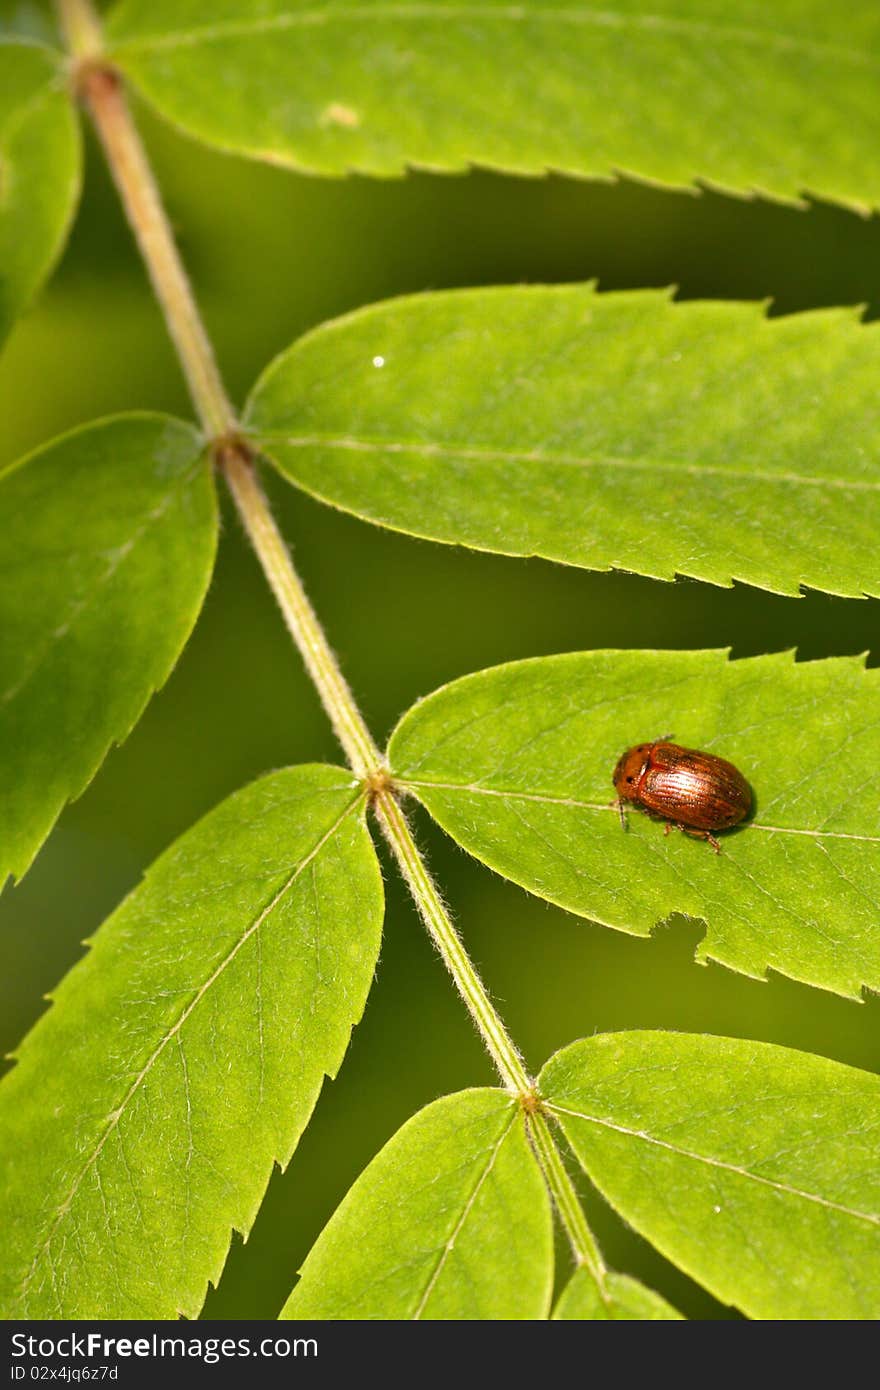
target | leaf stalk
x=571, y=1213
x=101, y=90
x=459, y=964
x=81, y=28
x=299, y=616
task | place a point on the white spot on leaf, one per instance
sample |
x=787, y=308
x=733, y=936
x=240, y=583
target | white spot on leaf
x=337, y=114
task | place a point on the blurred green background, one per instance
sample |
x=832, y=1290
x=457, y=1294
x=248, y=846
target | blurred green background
x=271, y=255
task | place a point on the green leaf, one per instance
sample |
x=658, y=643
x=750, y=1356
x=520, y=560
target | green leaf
x=106, y=552
x=626, y=1300
x=516, y=763
x=40, y=160
x=753, y=1167
x=185, y=1053
x=451, y=1220
x=780, y=97
x=604, y=430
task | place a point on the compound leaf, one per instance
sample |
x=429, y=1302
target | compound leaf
x=754, y=1168
x=451, y=1220
x=604, y=430
x=516, y=764
x=184, y=1055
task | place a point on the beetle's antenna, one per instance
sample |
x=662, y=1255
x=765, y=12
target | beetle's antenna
x=621, y=812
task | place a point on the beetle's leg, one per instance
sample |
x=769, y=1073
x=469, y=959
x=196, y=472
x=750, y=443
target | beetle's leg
x=707, y=836
x=621, y=812
x=695, y=834
x=668, y=826
x=701, y=835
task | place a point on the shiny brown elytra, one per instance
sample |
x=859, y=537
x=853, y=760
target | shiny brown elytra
x=695, y=791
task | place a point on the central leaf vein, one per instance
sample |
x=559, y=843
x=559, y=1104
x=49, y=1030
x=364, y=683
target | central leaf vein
x=871, y=1218
x=451, y=451
x=460, y=1223
x=547, y=798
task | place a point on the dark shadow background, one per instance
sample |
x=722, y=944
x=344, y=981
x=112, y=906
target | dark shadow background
x=271, y=255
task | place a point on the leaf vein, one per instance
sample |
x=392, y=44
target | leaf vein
x=459, y=1225
x=118, y=558
x=113, y=1120
x=476, y=789
x=871, y=1218
x=483, y=455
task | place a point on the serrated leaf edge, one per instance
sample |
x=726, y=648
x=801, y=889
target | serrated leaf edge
x=18, y=868
x=280, y=1161
x=145, y=44
x=851, y=316
x=703, y=953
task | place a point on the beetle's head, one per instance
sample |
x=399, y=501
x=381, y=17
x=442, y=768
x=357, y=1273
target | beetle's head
x=629, y=769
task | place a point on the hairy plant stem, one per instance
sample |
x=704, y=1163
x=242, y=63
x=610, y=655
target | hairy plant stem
x=102, y=92
x=364, y=758
x=81, y=28
x=571, y=1213
x=446, y=939
x=299, y=615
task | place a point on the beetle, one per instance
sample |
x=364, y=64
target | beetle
x=698, y=792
